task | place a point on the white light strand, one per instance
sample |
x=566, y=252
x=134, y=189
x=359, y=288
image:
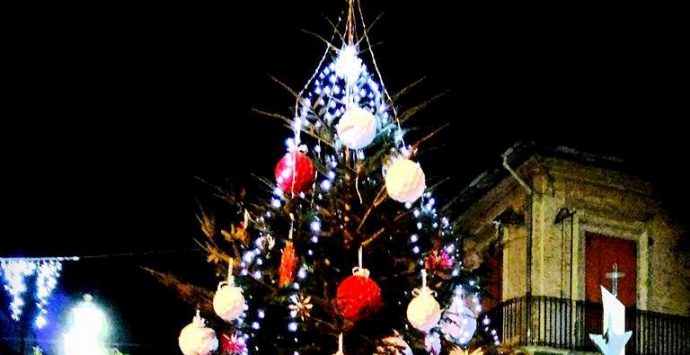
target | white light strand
x=16, y=271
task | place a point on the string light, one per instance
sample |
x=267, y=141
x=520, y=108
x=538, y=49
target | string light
x=16, y=272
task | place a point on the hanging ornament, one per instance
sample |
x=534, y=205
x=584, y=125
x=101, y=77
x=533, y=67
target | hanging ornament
x=460, y=351
x=432, y=343
x=438, y=260
x=301, y=307
x=294, y=172
x=405, y=181
x=423, y=312
x=393, y=345
x=196, y=339
x=288, y=265
x=358, y=295
x=357, y=128
x=228, y=302
x=234, y=345
x=459, y=322
x=340, y=345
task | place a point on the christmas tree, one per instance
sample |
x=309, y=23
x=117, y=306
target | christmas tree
x=348, y=253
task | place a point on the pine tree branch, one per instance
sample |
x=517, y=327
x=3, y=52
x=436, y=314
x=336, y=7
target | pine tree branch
x=328, y=43
x=407, y=88
x=371, y=208
x=273, y=115
x=429, y=136
x=284, y=86
x=219, y=192
x=334, y=27
x=407, y=114
x=195, y=295
x=369, y=28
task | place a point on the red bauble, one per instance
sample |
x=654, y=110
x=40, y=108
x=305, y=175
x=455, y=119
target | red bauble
x=294, y=166
x=358, y=296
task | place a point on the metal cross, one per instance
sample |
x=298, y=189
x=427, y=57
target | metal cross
x=614, y=275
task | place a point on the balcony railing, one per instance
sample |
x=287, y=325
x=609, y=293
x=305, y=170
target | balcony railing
x=566, y=324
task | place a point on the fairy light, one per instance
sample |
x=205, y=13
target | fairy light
x=315, y=226
x=15, y=274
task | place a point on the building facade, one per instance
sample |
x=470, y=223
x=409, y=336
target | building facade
x=554, y=223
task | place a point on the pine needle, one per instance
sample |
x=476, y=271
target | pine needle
x=407, y=114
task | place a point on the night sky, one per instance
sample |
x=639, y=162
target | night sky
x=114, y=111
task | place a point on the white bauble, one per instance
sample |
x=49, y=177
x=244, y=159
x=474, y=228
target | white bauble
x=357, y=128
x=424, y=312
x=196, y=339
x=459, y=323
x=228, y=303
x=405, y=181
x=393, y=345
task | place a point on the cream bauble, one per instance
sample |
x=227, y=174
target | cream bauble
x=196, y=339
x=357, y=128
x=424, y=312
x=228, y=303
x=405, y=181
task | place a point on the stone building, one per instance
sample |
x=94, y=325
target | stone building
x=551, y=224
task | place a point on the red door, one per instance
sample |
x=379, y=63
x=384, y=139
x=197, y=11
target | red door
x=600, y=254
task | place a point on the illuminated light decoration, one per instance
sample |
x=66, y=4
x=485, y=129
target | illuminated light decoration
x=16, y=271
x=315, y=226
x=46, y=281
x=88, y=330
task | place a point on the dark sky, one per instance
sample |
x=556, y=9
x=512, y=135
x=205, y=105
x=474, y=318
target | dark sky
x=113, y=111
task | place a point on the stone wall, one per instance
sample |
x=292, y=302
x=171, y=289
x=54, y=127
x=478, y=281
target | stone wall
x=605, y=201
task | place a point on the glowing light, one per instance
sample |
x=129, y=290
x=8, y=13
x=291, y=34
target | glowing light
x=275, y=203
x=326, y=185
x=348, y=65
x=88, y=332
x=16, y=271
x=315, y=226
x=292, y=327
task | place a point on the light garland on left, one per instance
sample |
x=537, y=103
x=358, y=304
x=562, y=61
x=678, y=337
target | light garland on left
x=16, y=271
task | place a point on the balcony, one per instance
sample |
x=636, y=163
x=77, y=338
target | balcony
x=565, y=324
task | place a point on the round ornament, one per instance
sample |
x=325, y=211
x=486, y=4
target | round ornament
x=228, y=302
x=294, y=172
x=196, y=339
x=357, y=128
x=423, y=312
x=405, y=181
